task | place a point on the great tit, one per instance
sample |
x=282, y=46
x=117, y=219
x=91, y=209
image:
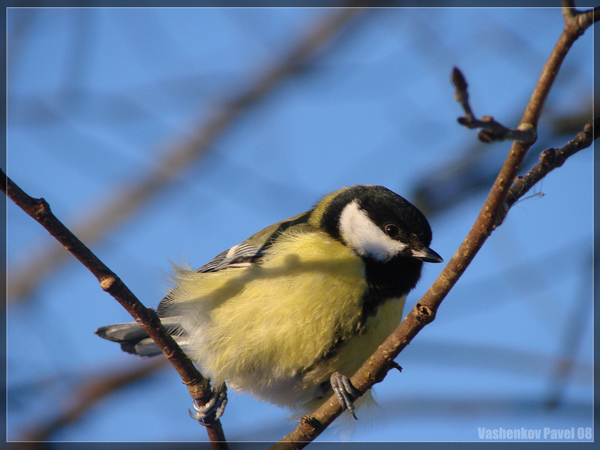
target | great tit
x=291, y=312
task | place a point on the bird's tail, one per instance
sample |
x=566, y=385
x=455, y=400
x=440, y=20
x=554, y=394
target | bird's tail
x=135, y=340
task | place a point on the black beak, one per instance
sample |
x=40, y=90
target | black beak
x=427, y=255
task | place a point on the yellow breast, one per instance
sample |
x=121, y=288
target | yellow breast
x=267, y=328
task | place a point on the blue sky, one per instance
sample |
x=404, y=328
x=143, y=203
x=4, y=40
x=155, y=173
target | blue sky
x=97, y=97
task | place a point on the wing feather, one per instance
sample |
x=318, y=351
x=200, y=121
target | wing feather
x=252, y=249
x=243, y=255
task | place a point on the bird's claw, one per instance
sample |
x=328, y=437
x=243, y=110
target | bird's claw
x=344, y=390
x=216, y=405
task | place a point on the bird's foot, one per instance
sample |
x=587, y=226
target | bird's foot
x=344, y=390
x=215, y=406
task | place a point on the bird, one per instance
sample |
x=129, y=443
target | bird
x=294, y=310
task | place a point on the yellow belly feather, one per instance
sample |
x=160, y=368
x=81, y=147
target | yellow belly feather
x=265, y=328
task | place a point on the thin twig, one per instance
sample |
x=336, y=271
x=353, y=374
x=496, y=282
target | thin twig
x=377, y=366
x=39, y=210
x=550, y=159
x=491, y=131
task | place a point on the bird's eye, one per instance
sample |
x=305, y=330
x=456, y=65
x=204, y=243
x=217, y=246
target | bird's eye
x=392, y=230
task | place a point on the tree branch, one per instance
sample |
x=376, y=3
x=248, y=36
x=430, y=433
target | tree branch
x=39, y=210
x=492, y=131
x=579, y=19
x=551, y=159
x=492, y=213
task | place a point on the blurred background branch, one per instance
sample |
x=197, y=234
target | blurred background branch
x=93, y=388
x=176, y=157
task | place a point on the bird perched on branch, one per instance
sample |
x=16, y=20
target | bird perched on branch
x=289, y=314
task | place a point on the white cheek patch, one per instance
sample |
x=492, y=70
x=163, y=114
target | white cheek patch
x=367, y=239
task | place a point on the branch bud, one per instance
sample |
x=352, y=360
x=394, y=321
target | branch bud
x=458, y=79
x=548, y=158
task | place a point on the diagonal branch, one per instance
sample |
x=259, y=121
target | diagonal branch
x=492, y=213
x=39, y=210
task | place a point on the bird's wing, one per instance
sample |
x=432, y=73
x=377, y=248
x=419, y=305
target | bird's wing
x=252, y=249
x=245, y=254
